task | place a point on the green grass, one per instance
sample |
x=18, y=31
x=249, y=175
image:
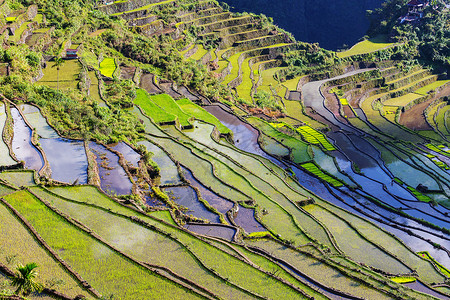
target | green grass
x=107, y=67
x=431, y=87
x=314, y=137
x=241, y=273
x=144, y=244
x=156, y=113
x=19, y=246
x=419, y=195
x=353, y=244
x=68, y=75
x=18, y=33
x=90, y=58
x=294, y=110
x=343, y=101
x=402, y=100
x=367, y=46
x=41, y=30
x=245, y=88
x=291, y=84
x=39, y=18
x=312, y=168
x=89, y=257
x=442, y=268
x=167, y=103
x=403, y=279
x=298, y=148
x=146, y=7
x=382, y=238
x=201, y=114
x=18, y=179
x=201, y=51
x=319, y=270
x=10, y=19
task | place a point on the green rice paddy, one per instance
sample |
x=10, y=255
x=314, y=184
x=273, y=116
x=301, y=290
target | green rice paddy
x=107, y=67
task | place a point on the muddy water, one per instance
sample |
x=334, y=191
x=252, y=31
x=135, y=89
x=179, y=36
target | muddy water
x=67, y=159
x=246, y=219
x=21, y=144
x=113, y=178
x=219, y=231
x=5, y=158
x=128, y=153
x=187, y=197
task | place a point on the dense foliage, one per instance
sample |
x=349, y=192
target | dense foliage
x=428, y=38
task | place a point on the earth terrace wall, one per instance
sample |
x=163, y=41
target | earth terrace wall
x=201, y=10
x=207, y=28
x=228, y=31
x=143, y=223
x=83, y=283
x=119, y=6
x=45, y=170
x=265, y=66
x=408, y=79
x=231, y=40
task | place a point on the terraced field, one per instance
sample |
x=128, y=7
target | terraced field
x=300, y=185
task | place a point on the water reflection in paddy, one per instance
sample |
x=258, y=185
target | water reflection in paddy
x=113, y=178
x=128, y=153
x=219, y=231
x=5, y=158
x=187, y=197
x=21, y=144
x=67, y=159
x=222, y=205
x=168, y=169
x=246, y=219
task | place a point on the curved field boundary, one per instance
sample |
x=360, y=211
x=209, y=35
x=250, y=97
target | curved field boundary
x=290, y=189
x=144, y=223
x=152, y=268
x=261, y=193
x=52, y=253
x=45, y=170
x=380, y=219
x=358, y=232
x=232, y=187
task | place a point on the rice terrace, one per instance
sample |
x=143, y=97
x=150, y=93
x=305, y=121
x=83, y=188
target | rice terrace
x=179, y=149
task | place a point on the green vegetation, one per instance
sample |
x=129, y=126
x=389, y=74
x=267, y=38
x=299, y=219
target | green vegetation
x=312, y=168
x=107, y=67
x=199, y=113
x=403, y=279
x=152, y=110
x=314, y=137
x=169, y=105
x=431, y=87
x=90, y=256
x=367, y=46
x=441, y=268
x=298, y=149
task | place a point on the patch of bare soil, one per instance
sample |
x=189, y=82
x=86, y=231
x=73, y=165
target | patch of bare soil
x=148, y=85
x=414, y=118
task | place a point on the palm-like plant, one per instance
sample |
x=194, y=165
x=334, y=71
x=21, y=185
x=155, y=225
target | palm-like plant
x=25, y=279
x=59, y=61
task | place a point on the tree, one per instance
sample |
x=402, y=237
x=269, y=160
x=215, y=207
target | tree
x=59, y=61
x=24, y=279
